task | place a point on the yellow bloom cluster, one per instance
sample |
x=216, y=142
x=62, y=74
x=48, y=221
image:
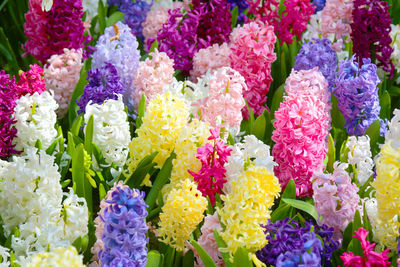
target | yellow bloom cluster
x=387, y=186
x=246, y=207
x=180, y=215
x=67, y=257
x=164, y=119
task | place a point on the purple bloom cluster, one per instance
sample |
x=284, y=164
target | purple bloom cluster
x=319, y=5
x=291, y=245
x=104, y=83
x=125, y=229
x=242, y=6
x=357, y=94
x=370, y=32
x=318, y=53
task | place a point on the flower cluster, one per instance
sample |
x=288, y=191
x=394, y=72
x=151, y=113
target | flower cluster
x=110, y=129
x=125, y=229
x=153, y=23
x=360, y=156
x=241, y=5
x=370, y=32
x=266, y=11
x=252, y=53
x=90, y=7
x=135, y=15
x=50, y=32
x=31, y=81
x=181, y=213
x=336, y=198
x=62, y=256
x=61, y=75
x=211, y=177
x=152, y=76
x=357, y=94
x=300, y=136
x=104, y=83
x=246, y=207
x=318, y=53
x=395, y=57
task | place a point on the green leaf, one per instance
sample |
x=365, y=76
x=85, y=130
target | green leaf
x=97, y=153
x=153, y=259
x=153, y=47
x=301, y=205
x=141, y=170
x=259, y=127
x=114, y=18
x=38, y=144
x=344, y=152
x=188, y=259
x=161, y=179
x=235, y=14
x=221, y=244
x=281, y=212
x=347, y=236
x=12, y=60
x=241, y=258
x=65, y=183
x=102, y=192
x=78, y=91
x=337, y=117
x=373, y=132
x=331, y=153
x=141, y=108
x=76, y=125
x=290, y=190
x=385, y=103
x=276, y=100
x=82, y=186
x=102, y=17
x=356, y=225
x=89, y=135
x=205, y=258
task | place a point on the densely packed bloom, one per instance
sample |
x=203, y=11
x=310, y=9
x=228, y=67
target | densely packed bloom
x=241, y=5
x=35, y=117
x=313, y=27
x=336, y=198
x=62, y=256
x=223, y=105
x=370, y=257
x=50, y=32
x=119, y=47
x=246, y=207
x=110, y=129
x=357, y=94
x=5, y=255
x=125, y=229
x=61, y=75
x=300, y=136
x=318, y=53
x=395, y=57
x=154, y=21
x=31, y=81
x=210, y=59
x=211, y=177
x=135, y=15
x=104, y=83
x=252, y=53
x=370, y=32
x=181, y=213
x=360, y=156
x=153, y=74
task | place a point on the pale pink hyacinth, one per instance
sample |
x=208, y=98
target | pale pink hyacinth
x=153, y=74
x=308, y=82
x=336, y=198
x=99, y=245
x=336, y=18
x=153, y=22
x=61, y=75
x=222, y=107
x=207, y=241
x=210, y=59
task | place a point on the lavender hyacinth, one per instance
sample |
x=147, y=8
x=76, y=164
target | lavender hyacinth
x=318, y=53
x=104, y=83
x=125, y=229
x=357, y=94
x=242, y=6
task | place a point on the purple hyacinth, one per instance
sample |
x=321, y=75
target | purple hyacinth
x=104, y=83
x=125, y=229
x=135, y=14
x=370, y=32
x=242, y=6
x=357, y=94
x=319, y=5
x=318, y=53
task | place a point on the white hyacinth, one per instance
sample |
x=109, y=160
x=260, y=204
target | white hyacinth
x=395, y=35
x=90, y=7
x=394, y=129
x=110, y=129
x=313, y=28
x=360, y=156
x=250, y=152
x=5, y=255
x=35, y=115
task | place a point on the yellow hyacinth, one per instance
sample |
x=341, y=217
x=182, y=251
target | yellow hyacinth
x=246, y=207
x=180, y=215
x=60, y=257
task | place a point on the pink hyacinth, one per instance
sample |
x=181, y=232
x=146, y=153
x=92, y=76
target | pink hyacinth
x=300, y=136
x=308, y=82
x=210, y=59
x=153, y=74
x=252, y=53
x=31, y=81
x=224, y=103
x=336, y=198
x=336, y=18
x=370, y=257
x=153, y=23
x=62, y=75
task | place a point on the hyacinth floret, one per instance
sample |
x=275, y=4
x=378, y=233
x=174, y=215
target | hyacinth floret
x=135, y=14
x=241, y=5
x=62, y=256
x=125, y=229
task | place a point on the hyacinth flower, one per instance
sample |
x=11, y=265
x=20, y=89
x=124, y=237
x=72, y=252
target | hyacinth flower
x=178, y=221
x=103, y=83
x=50, y=32
x=360, y=157
x=336, y=198
x=265, y=11
x=211, y=177
x=370, y=32
x=357, y=94
x=300, y=136
x=241, y=5
x=318, y=53
x=319, y=5
x=395, y=57
x=370, y=257
x=252, y=53
x=125, y=229
x=62, y=256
